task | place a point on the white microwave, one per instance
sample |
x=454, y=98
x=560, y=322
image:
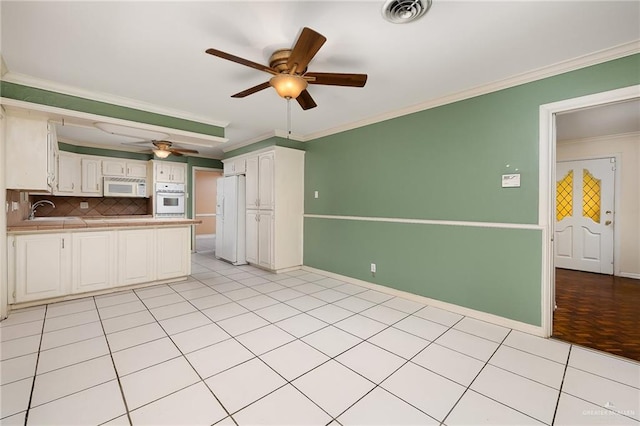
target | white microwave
x=124, y=187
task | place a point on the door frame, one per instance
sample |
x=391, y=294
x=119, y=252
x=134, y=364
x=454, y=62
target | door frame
x=547, y=172
x=195, y=169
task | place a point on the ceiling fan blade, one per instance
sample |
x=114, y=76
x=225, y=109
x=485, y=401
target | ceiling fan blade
x=305, y=49
x=251, y=90
x=181, y=150
x=337, y=79
x=306, y=101
x=241, y=61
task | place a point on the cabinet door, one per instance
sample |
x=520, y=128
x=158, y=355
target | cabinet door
x=252, y=236
x=162, y=172
x=252, y=183
x=43, y=266
x=27, y=154
x=93, y=265
x=68, y=174
x=178, y=173
x=173, y=247
x=136, y=256
x=265, y=239
x=266, y=181
x=137, y=170
x=91, y=176
x=113, y=167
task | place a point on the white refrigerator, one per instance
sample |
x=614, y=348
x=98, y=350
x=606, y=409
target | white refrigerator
x=231, y=220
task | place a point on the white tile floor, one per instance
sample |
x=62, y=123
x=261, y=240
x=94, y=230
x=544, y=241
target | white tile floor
x=237, y=345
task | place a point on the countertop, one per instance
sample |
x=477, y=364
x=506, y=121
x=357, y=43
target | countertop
x=42, y=224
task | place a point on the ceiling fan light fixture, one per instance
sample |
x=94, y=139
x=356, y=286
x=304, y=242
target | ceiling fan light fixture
x=288, y=86
x=161, y=153
x=404, y=11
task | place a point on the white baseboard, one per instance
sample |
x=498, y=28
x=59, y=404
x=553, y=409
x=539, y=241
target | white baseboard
x=479, y=315
x=629, y=275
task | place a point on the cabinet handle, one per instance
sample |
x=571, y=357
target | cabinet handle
x=128, y=171
x=73, y=185
x=63, y=243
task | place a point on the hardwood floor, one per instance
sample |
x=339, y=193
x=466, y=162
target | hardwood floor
x=598, y=311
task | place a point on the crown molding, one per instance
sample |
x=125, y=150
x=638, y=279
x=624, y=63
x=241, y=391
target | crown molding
x=38, y=83
x=595, y=58
x=604, y=138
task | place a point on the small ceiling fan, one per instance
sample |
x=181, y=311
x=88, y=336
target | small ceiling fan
x=162, y=149
x=289, y=70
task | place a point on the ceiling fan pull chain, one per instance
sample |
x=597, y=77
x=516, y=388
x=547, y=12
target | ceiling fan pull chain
x=288, y=118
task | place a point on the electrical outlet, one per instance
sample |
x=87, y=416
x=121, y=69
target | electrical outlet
x=14, y=206
x=373, y=268
x=84, y=205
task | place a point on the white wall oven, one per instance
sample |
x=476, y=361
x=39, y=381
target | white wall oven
x=169, y=199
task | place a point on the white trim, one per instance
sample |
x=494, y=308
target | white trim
x=39, y=83
x=596, y=139
x=633, y=275
x=546, y=200
x=428, y=221
x=67, y=113
x=483, y=316
x=601, y=56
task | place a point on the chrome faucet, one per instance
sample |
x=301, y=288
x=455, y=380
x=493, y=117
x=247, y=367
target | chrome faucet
x=32, y=211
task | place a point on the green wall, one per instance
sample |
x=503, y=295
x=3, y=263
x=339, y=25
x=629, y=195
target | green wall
x=444, y=163
x=74, y=103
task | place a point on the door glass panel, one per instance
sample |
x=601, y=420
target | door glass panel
x=564, y=197
x=590, y=196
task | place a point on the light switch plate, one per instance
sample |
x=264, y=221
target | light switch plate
x=511, y=181
x=315, y=194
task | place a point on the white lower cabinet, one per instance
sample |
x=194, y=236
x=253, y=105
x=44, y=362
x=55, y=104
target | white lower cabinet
x=42, y=266
x=172, y=252
x=259, y=229
x=136, y=256
x=49, y=265
x=94, y=261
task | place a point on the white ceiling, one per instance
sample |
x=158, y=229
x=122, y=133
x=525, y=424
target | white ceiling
x=611, y=119
x=153, y=52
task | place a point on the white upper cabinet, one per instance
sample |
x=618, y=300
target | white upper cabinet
x=136, y=169
x=90, y=176
x=30, y=147
x=68, y=181
x=234, y=166
x=168, y=172
x=113, y=167
x=260, y=174
x=124, y=168
x=266, y=181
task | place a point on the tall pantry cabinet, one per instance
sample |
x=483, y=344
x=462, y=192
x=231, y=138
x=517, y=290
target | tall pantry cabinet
x=275, y=206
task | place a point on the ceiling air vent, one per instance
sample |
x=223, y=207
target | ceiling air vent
x=404, y=11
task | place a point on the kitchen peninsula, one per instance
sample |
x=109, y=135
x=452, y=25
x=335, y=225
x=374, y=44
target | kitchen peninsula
x=60, y=258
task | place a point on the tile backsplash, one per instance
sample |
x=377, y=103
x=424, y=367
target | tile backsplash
x=96, y=206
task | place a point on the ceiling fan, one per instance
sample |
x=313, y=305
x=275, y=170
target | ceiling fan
x=289, y=70
x=163, y=148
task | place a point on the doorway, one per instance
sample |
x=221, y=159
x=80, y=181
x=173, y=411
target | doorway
x=204, y=208
x=594, y=251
